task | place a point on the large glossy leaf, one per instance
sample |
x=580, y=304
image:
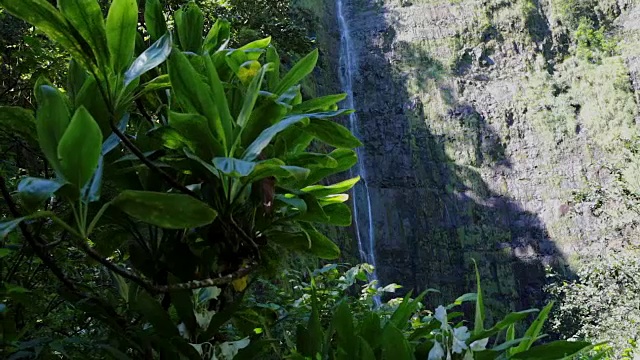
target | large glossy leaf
x=310, y=338
x=277, y=169
x=36, y=190
x=324, y=103
x=312, y=160
x=220, y=98
x=52, y=120
x=298, y=72
x=154, y=19
x=80, y=148
x=91, y=98
x=6, y=227
x=170, y=211
x=195, y=130
x=346, y=159
x=343, y=324
x=254, y=150
x=234, y=167
x=251, y=96
x=190, y=24
x=534, y=329
x=113, y=140
x=86, y=18
x=17, y=120
x=155, y=55
x=273, y=77
x=91, y=190
x=76, y=77
x=394, y=345
x=269, y=112
x=338, y=214
x=332, y=133
x=480, y=316
x=507, y=321
x=554, y=350
x=217, y=36
x=122, y=23
x=194, y=94
x=339, y=188
x=321, y=246
x=47, y=19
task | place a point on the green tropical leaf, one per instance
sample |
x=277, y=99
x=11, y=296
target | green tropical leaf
x=507, y=321
x=86, y=18
x=269, y=112
x=217, y=36
x=273, y=77
x=122, y=24
x=251, y=96
x=194, y=94
x=158, y=83
x=220, y=98
x=36, y=190
x=76, y=77
x=256, y=147
x=324, y=103
x=277, y=169
x=554, y=350
x=195, y=130
x=480, y=316
x=338, y=214
x=154, y=19
x=332, y=133
x=298, y=72
x=534, y=330
x=234, y=167
x=343, y=324
x=80, y=148
x=190, y=25
x=91, y=98
x=339, y=188
x=321, y=246
x=7, y=227
x=52, y=120
x=155, y=55
x=346, y=159
x=170, y=211
x=394, y=345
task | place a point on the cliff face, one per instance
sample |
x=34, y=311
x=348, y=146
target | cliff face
x=487, y=137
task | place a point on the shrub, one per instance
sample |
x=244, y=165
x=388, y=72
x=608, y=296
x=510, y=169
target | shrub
x=181, y=167
x=602, y=304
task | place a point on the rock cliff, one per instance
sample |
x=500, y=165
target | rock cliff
x=490, y=135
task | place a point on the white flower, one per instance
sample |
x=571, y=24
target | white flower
x=436, y=352
x=460, y=335
x=441, y=315
x=479, y=345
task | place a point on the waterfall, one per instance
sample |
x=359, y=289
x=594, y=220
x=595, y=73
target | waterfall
x=348, y=64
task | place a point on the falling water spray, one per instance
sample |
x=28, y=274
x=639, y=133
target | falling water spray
x=365, y=234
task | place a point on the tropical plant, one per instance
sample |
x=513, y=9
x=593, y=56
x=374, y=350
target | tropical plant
x=181, y=167
x=401, y=329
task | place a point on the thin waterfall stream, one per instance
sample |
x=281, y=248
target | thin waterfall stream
x=365, y=232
